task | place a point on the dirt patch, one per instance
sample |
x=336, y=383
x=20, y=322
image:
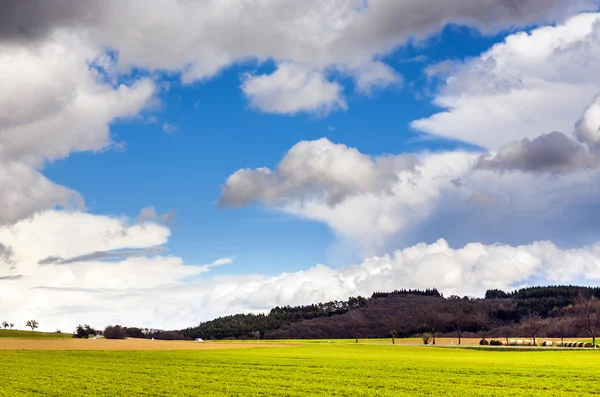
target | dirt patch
x=127, y=344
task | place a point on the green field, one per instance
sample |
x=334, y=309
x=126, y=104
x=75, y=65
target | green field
x=7, y=333
x=327, y=370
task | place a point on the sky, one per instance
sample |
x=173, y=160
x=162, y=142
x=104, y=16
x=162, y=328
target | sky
x=163, y=163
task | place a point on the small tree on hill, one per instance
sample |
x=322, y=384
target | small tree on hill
x=5, y=324
x=33, y=324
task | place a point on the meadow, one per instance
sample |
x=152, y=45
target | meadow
x=335, y=369
x=20, y=334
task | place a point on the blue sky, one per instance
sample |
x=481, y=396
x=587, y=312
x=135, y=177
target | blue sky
x=311, y=150
x=217, y=134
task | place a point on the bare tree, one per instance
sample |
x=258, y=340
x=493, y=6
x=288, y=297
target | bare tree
x=11, y=325
x=33, y=324
x=461, y=315
x=588, y=307
x=434, y=321
x=534, y=325
x=485, y=319
x=355, y=316
x=393, y=323
x=562, y=327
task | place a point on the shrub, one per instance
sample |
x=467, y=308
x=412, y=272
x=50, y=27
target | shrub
x=114, y=332
x=84, y=332
x=167, y=335
x=426, y=338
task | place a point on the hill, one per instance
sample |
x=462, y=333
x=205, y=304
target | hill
x=411, y=312
x=6, y=333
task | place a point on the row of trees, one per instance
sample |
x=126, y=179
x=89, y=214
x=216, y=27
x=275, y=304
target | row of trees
x=121, y=332
x=33, y=324
x=6, y=325
x=257, y=325
x=409, y=315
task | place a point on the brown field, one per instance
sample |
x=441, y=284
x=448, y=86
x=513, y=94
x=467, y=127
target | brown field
x=146, y=344
x=472, y=341
x=127, y=344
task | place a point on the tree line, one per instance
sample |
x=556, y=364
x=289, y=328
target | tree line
x=554, y=311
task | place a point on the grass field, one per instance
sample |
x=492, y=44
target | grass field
x=311, y=369
x=7, y=333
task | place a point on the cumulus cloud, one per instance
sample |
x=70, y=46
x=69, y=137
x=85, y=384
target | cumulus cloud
x=528, y=85
x=163, y=292
x=54, y=102
x=375, y=75
x=381, y=205
x=554, y=153
x=293, y=88
x=318, y=168
x=588, y=127
x=25, y=191
x=199, y=39
x=62, y=234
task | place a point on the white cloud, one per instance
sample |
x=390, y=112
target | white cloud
x=293, y=88
x=531, y=84
x=24, y=191
x=375, y=75
x=319, y=168
x=384, y=203
x=588, y=127
x=199, y=39
x=53, y=103
x=163, y=292
x=170, y=128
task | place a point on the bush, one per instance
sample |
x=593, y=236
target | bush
x=84, y=332
x=114, y=332
x=168, y=335
x=426, y=338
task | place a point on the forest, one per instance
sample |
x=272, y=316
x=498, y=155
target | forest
x=553, y=311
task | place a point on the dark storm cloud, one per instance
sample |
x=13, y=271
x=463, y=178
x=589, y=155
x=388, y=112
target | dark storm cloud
x=30, y=20
x=553, y=153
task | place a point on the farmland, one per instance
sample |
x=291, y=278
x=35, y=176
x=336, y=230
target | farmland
x=335, y=369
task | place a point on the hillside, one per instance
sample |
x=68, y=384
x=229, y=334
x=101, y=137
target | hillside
x=6, y=333
x=408, y=313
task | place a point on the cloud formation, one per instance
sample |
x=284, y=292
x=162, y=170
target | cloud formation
x=319, y=168
x=163, y=292
x=384, y=203
x=200, y=38
x=554, y=153
x=530, y=84
x=375, y=75
x=293, y=88
x=55, y=100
